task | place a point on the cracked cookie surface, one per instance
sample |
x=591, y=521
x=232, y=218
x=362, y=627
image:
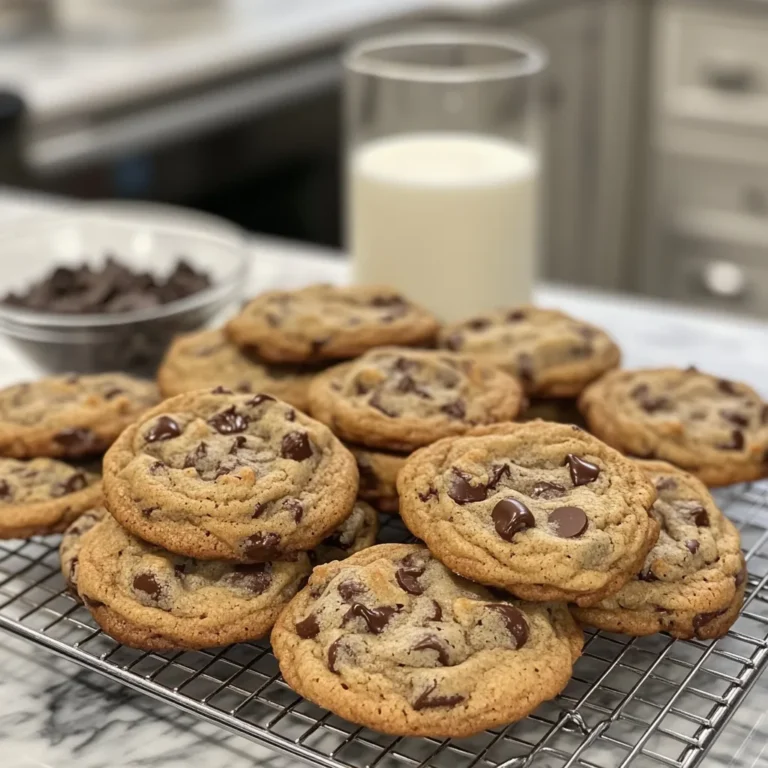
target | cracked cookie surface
x=215, y=475
x=545, y=511
x=392, y=640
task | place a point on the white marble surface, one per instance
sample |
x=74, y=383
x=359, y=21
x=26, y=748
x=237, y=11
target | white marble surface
x=55, y=715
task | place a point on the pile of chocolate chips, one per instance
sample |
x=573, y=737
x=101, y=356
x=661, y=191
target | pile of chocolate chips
x=111, y=289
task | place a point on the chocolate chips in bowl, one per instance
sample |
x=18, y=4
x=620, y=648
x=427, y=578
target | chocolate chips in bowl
x=95, y=291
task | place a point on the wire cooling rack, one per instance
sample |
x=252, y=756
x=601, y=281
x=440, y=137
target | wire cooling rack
x=644, y=702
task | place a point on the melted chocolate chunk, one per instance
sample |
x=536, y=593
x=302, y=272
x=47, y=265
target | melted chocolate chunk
x=736, y=443
x=77, y=439
x=349, y=590
x=238, y=443
x=525, y=368
x=255, y=577
x=432, y=643
x=408, y=573
x=333, y=655
x=739, y=419
x=653, y=404
x=692, y=545
x=496, y=475
x=666, y=484
x=308, y=628
x=5, y=490
x=220, y=390
x=295, y=508
x=376, y=619
x=408, y=385
x=511, y=516
x=229, y=421
x=296, y=446
x=700, y=517
x=545, y=490
x=456, y=409
x=194, y=457
x=148, y=584
x=259, y=399
x=701, y=619
x=427, y=495
x=582, y=471
x=262, y=547
x=258, y=510
x=165, y=428
x=376, y=402
x=75, y=482
x=569, y=522
x=514, y=620
x=727, y=387
x=460, y=490
x=437, y=612
x=425, y=702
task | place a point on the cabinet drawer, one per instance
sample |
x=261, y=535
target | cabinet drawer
x=714, y=65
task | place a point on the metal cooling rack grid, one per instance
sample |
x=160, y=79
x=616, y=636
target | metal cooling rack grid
x=647, y=702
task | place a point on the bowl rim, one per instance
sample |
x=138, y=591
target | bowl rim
x=109, y=214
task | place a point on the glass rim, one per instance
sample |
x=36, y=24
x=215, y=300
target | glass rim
x=360, y=57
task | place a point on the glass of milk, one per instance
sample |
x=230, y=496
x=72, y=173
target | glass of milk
x=443, y=158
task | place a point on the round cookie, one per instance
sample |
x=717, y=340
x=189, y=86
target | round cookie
x=400, y=399
x=553, y=354
x=378, y=476
x=43, y=496
x=693, y=580
x=392, y=640
x=543, y=510
x=220, y=476
x=206, y=359
x=356, y=533
x=70, y=416
x=71, y=542
x=714, y=428
x=326, y=322
x=148, y=598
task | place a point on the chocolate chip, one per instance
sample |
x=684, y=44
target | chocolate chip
x=515, y=316
x=432, y=643
x=408, y=385
x=511, y=516
x=349, y=590
x=525, y=367
x=741, y=576
x=514, y=620
x=727, y=387
x=478, y=324
x=666, y=484
x=376, y=402
x=376, y=619
x=545, y=490
x=296, y=446
x=255, y=577
x=454, y=341
x=229, y=421
x=239, y=442
x=569, y=522
x=290, y=415
x=5, y=490
x=456, y=409
x=295, y=508
x=582, y=471
x=428, y=494
x=75, y=482
x=736, y=443
x=739, y=419
x=147, y=583
x=165, y=428
x=194, y=457
x=333, y=655
x=437, y=612
x=155, y=467
x=258, y=511
x=460, y=490
x=647, y=575
x=700, y=517
x=308, y=628
x=701, y=619
x=408, y=573
x=425, y=702
x=393, y=300
x=262, y=547
x=692, y=545
x=640, y=391
x=77, y=439
x=496, y=475
x=653, y=404
x=220, y=390
x=259, y=399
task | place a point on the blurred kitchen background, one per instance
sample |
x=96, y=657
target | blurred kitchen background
x=657, y=174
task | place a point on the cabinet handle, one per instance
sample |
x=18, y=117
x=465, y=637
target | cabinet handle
x=724, y=279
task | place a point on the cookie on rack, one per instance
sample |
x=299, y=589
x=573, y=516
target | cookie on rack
x=326, y=322
x=71, y=541
x=207, y=359
x=714, y=428
x=217, y=475
x=399, y=399
x=148, y=598
x=70, y=416
x=692, y=582
x=356, y=533
x=545, y=511
x=553, y=354
x=43, y=496
x=392, y=640
x=378, y=476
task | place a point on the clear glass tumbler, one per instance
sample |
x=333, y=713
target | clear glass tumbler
x=443, y=164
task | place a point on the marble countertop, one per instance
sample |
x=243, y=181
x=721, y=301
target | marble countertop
x=54, y=714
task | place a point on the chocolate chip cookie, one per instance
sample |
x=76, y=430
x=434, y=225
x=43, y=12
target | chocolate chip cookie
x=553, y=354
x=378, y=476
x=399, y=399
x=207, y=359
x=714, y=428
x=692, y=582
x=71, y=542
x=543, y=510
x=70, y=416
x=326, y=322
x=43, y=496
x=356, y=533
x=392, y=640
x=148, y=598
x=215, y=475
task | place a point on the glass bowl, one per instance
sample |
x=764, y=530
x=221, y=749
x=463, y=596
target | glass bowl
x=133, y=341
